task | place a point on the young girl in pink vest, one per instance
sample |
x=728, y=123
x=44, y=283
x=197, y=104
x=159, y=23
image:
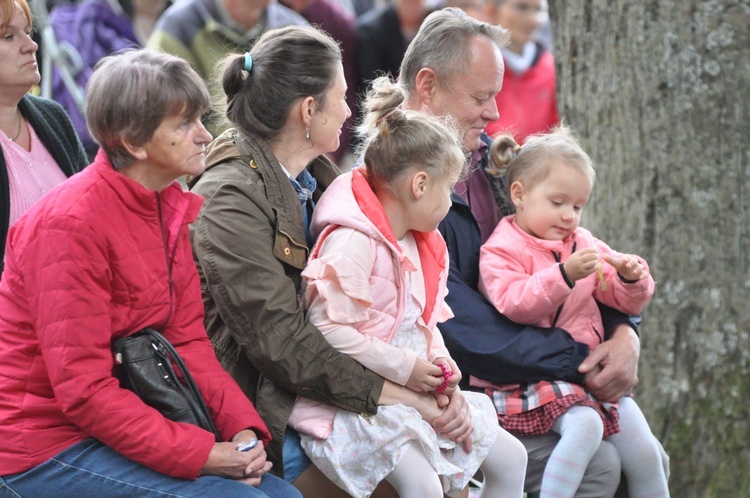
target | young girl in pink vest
x=375, y=286
x=540, y=268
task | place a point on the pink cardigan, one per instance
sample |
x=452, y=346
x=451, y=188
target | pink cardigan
x=519, y=275
x=355, y=289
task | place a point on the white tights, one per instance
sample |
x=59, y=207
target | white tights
x=639, y=452
x=581, y=430
x=504, y=470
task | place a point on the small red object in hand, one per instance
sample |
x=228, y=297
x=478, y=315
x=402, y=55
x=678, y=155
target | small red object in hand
x=447, y=374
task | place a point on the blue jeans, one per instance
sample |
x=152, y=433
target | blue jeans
x=295, y=459
x=91, y=468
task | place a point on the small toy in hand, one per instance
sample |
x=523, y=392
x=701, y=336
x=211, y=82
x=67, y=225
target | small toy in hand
x=600, y=274
x=447, y=374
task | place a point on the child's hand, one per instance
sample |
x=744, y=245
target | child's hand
x=629, y=266
x=453, y=379
x=425, y=376
x=581, y=264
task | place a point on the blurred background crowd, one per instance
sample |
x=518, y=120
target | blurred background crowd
x=374, y=34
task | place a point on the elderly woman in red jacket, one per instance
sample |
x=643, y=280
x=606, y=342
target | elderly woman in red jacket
x=100, y=257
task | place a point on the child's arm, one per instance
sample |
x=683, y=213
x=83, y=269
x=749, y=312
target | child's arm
x=522, y=297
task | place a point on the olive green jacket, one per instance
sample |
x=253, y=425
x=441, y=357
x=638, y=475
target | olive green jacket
x=249, y=246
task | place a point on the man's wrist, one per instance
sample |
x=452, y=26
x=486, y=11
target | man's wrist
x=624, y=330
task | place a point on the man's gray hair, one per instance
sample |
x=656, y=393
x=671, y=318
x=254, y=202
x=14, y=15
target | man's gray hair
x=443, y=44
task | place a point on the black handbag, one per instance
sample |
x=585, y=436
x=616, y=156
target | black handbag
x=147, y=363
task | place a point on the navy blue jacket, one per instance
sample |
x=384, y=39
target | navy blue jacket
x=485, y=343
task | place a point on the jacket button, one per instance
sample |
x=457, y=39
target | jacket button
x=287, y=251
x=252, y=164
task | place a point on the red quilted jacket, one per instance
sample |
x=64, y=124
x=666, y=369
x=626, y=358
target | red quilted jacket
x=98, y=258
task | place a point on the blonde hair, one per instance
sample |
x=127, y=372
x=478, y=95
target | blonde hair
x=532, y=162
x=394, y=139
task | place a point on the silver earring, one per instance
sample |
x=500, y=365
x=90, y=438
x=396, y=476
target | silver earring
x=307, y=135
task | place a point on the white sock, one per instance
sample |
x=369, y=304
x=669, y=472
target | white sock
x=581, y=429
x=414, y=477
x=504, y=468
x=639, y=453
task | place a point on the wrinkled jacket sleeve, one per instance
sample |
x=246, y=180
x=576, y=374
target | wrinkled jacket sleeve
x=338, y=295
x=233, y=242
x=490, y=346
x=483, y=342
x=519, y=296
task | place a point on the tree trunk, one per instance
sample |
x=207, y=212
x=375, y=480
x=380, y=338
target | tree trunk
x=658, y=92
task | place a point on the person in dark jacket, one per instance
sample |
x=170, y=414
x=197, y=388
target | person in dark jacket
x=484, y=343
x=39, y=145
x=382, y=37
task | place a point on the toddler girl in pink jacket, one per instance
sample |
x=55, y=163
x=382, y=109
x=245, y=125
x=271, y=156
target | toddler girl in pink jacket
x=540, y=268
x=375, y=286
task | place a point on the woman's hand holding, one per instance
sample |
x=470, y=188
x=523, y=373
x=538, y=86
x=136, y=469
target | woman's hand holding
x=424, y=376
x=455, y=423
x=225, y=460
x=424, y=403
x=428, y=407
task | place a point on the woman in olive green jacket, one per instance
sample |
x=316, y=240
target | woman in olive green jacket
x=286, y=101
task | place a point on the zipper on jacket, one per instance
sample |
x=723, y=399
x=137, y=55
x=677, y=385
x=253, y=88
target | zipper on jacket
x=167, y=259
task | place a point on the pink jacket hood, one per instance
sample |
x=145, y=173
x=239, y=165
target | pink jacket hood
x=356, y=206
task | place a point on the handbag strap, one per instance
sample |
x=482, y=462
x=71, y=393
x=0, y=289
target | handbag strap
x=184, y=372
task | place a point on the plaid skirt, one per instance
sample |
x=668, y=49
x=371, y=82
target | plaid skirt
x=531, y=410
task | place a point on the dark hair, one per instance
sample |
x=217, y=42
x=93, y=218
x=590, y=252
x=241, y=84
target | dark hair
x=287, y=64
x=443, y=43
x=394, y=140
x=131, y=93
x=532, y=162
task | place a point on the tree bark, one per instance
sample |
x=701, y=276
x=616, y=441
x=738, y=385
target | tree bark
x=658, y=92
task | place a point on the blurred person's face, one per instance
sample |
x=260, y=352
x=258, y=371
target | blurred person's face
x=18, y=67
x=246, y=13
x=474, y=8
x=520, y=17
x=470, y=97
